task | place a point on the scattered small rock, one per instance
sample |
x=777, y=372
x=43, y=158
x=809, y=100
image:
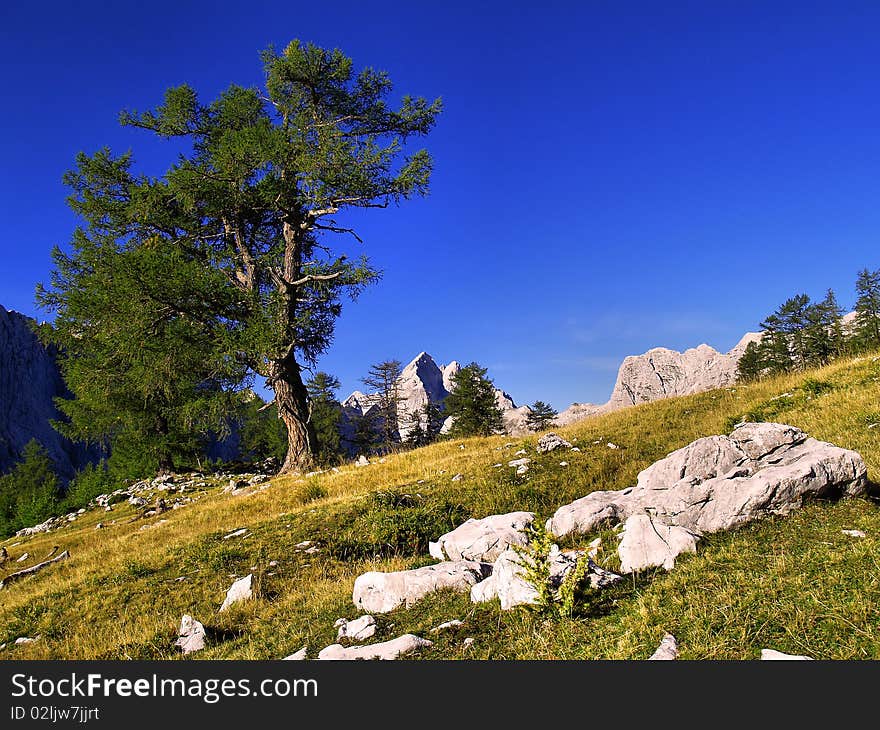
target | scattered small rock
x=24, y=556
x=455, y=623
x=854, y=533
x=297, y=656
x=386, y=650
x=362, y=461
x=191, y=635
x=26, y=640
x=237, y=533
x=468, y=642
x=241, y=590
x=612, y=446
x=521, y=452
x=563, y=463
x=458, y=477
x=360, y=629
x=773, y=655
x=668, y=649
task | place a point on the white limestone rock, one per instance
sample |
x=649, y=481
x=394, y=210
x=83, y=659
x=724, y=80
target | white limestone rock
x=668, y=649
x=550, y=442
x=297, y=656
x=483, y=539
x=360, y=629
x=648, y=544
x=773, y=655
x=723, y=481
x=386, y=650
x=190, y=635
x=377, y=592
x=241, y=590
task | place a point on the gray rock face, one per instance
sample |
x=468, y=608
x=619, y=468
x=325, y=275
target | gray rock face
x=719, y=482
x=377, y=592
x=483, y=540
x=190, y=636
x=29, y=382
x=661, y=373
x=386, y=650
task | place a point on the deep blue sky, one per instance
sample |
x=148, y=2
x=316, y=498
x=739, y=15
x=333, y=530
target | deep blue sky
x=609, y=176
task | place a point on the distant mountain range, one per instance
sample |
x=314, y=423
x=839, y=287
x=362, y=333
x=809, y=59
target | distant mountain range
x=30, y=380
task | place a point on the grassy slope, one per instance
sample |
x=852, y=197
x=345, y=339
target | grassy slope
x=795, y=584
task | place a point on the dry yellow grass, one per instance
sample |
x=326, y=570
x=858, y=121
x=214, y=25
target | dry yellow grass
x=119, y=597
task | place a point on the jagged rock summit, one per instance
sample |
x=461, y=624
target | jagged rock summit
x=663, y=373
x=423, y=381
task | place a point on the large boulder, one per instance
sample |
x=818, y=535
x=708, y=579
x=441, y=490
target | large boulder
x=483, y=539
x=719, y=482
x=377, y=592
x=386, y=650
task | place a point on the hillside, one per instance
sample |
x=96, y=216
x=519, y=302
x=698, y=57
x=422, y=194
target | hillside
x=796, y=584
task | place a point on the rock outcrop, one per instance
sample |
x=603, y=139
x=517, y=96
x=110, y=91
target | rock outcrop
x=377, y=592
x=241, y=590
x=190, y=635
x=483, y=540
x=29, y=383
x=713, y=484
x=662, y=373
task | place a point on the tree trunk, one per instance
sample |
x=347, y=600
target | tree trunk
x=292, y=400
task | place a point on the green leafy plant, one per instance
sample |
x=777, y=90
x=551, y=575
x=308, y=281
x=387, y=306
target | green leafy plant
x=554, y=596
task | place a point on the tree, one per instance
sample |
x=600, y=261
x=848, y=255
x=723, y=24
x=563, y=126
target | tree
x=384, y=381
x=140, y=348
x=262, y=434
x=424, y=424
x=786, y=327
x=326, y=414
x=540, y=416
x=472, y=404
x=823, y=337
x=867, y=324
x=751, y=364
x=255, y=198
x=29, y=492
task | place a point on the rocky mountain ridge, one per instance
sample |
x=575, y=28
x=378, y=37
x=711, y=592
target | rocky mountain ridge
x=663, y=373
x=29, y=383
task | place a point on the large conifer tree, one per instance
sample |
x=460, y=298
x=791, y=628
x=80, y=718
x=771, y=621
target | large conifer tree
x=254, y=199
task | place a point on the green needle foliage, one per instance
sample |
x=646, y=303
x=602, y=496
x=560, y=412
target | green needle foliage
x=472, y=404
x=540, y=416
x=252, y=208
